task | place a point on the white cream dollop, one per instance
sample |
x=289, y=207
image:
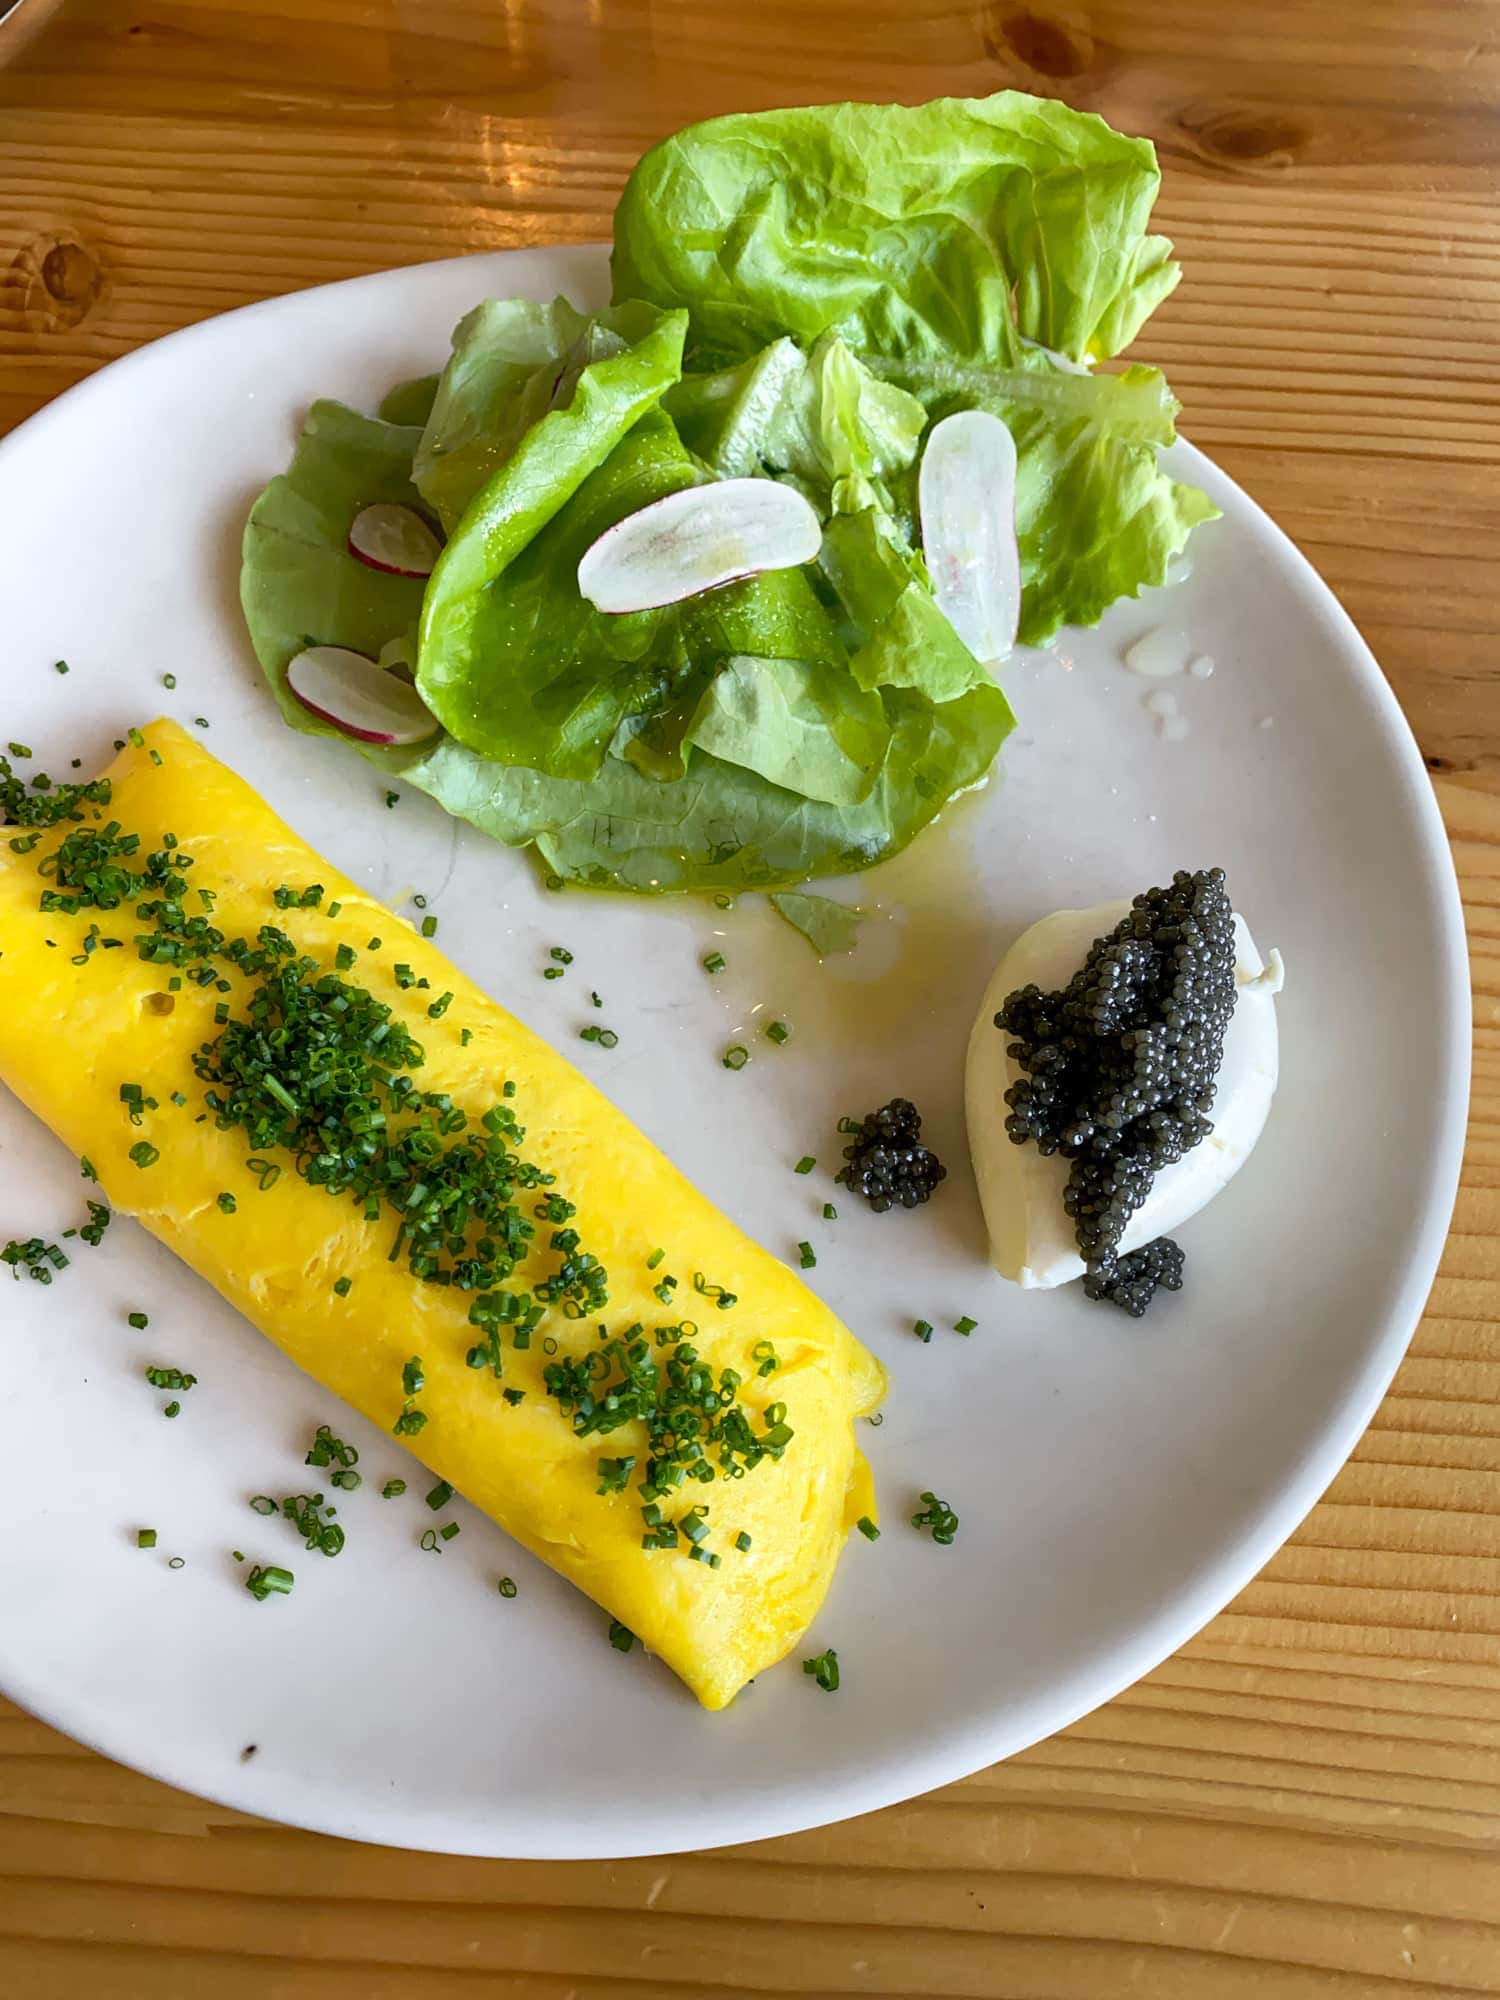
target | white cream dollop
x=1031, y=1236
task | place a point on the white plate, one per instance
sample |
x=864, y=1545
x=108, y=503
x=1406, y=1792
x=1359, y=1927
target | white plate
x=1117, y=1482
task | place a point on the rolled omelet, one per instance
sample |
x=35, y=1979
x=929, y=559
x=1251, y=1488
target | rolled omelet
x=80, y=1018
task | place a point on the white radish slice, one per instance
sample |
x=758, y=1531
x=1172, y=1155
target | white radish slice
x=966, y=493
x=358, y=697
x=697, y=539
x=394, y=539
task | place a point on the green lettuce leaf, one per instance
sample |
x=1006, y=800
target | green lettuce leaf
x=951, y=231
x=799, y=723
x=720, y=826
x=829, y=927
x=513, y=361
x=298, y=582
x=522, y=668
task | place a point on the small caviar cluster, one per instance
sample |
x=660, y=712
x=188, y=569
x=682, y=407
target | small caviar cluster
x=1119, y=1070
x=886, y=1161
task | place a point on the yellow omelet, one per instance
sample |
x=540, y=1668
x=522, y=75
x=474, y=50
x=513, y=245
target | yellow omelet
x=77, y=1022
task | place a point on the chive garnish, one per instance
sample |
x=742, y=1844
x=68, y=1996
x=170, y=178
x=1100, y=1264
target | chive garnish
x=61, y=667
x=714, y=962
x=263, y=1504
x=830, y=1213
x=938, y=1516
x=736, y=1056
x=409, y=1423
x=448, y=1531
x=922, y=1328
x=806, y=1255
x=228, y=1203
x=605, y=1037
x=429, y=1544
x=176, y=1562
x=440, y=1495
x=429, y=927
x=326, y=1449
x=170, y=1378
x=620, y=1636
x=506, y=1586
x=143, y=1154
x=145, y=1538
x=965, y=1325
x=778, y=1032
x=393, y=1489
x=655, y=1259
x=390, y=799
x=138, y=1320
x=172, y=1410
x=824, y=1668
x=169, y=680
x=742, y=1541
x=268, y=1582
x=343, y=1287
x=805, y=1165
x=867, y=1528
x=764, y=1355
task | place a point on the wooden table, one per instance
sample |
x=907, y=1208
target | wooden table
x=1306, y=1801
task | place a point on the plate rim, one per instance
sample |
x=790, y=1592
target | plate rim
x=1161, y=1633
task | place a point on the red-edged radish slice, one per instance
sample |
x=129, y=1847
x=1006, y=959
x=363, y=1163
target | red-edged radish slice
x=696, y=540
x=356, y=696
x=394, y=539
x=966, y=493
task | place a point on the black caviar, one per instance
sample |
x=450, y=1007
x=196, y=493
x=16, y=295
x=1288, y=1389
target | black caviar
x=1119, y=1068
x=886, y=1161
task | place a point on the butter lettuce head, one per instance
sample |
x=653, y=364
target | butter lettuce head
x=777, y=767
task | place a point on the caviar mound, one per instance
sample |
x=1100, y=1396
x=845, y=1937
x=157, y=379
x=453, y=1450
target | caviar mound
x=1132, y=1282
x=886, y=1161
x=1118, y=1070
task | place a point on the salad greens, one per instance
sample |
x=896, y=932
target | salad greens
x=800, y=294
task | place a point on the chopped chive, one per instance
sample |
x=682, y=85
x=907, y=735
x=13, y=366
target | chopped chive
x=807, y=1257
x=867, y=1528
x=465, y=1036
x=60, y=667
x=144, y=1154
x=723, y=902
x=263, y=1504
x=939, y=1517
x=172, y=1410
x=145, y=1538
x=440, y=1495
x=965, y=1325
x=778, y=1032
x=169, y=680
x=138, y=1320
x=830, y=1213
x=742, y=1541
x=391, y=798
x=413, y=1380
x=735, y=1057
x=228, y=1203
x=552, y=972
x=922, y=1328
x=714, y=962
x=429, y=927
x=824, y=1668
x=595, y=1001
x=201, y=721
x=448, y=1530
x=409, y=1423
x=176, y=1562
x=393, y=1489
x=655, y=1259
x=620, y=1636
x=506, y=1586
x=343, y=1286
x=268, y=1582
x=429, y=1544
x=170, y=1378
x=805, y=1165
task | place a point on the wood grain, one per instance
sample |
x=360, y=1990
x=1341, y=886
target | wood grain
x=1306, y=1801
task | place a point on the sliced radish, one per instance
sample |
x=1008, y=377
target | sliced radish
x=696, y=540
x=358, y=697
x=966, y=491
x=394, y=539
